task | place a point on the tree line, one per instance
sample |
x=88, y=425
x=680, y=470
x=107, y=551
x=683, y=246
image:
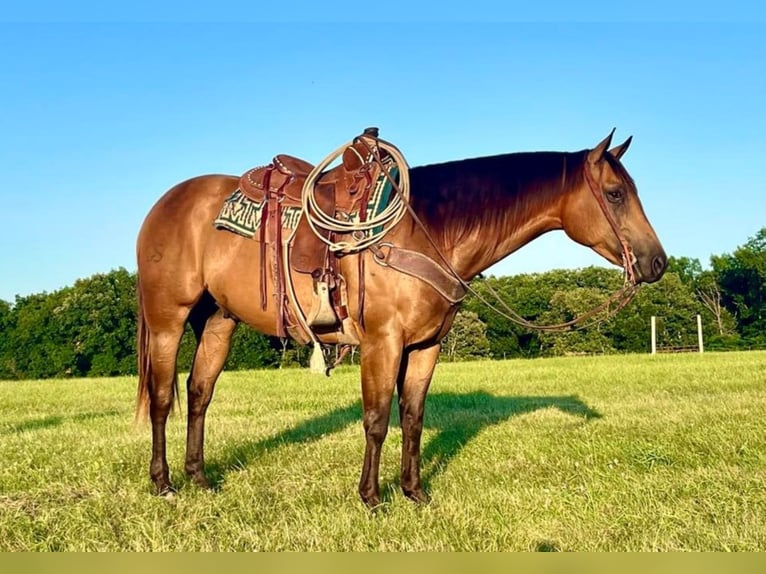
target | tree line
x=89, y=328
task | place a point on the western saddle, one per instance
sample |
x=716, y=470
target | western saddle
x=342, y=191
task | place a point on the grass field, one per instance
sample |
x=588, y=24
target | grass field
x=606, y=453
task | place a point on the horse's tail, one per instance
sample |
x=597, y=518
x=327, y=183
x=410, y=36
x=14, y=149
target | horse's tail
x=145, y=371
x=144, y=361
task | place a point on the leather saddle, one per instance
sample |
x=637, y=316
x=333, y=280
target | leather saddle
x=286, y=175
x=342, y=189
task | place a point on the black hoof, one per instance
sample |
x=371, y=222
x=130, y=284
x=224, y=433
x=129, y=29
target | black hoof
x=418, y=496
x=199, y=480
x=372, y=501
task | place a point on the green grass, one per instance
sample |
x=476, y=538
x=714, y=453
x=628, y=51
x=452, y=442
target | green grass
x=606, y=453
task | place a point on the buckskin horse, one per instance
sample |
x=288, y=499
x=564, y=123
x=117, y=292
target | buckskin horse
x=464, y=216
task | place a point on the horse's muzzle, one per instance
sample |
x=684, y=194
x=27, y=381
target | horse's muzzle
x=651, y=269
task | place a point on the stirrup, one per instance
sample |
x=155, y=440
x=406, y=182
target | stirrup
x=322, y=313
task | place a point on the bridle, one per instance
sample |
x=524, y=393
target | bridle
x=628, y=258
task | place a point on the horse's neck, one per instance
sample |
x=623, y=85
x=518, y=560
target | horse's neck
x=481, y=250
x=516, y=207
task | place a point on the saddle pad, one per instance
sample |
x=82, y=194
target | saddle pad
x=380, y=196
x=242, y=215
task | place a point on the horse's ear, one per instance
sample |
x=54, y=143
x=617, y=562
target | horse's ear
x=598, y=152
x=619, y=151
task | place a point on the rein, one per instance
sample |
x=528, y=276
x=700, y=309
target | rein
x=611, y=306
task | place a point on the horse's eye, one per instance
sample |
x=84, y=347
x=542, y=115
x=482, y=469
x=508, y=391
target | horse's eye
x=615, y=196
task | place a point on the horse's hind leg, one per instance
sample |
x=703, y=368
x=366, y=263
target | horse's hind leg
x=163, y=352
x=213, y=333
x=413, y=383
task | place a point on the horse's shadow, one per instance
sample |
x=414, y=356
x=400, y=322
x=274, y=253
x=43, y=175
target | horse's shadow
x=457, y=419
x=50, y=421
x=239, y=456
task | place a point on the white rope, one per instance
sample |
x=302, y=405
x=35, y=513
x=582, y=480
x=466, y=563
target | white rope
x=361, y=234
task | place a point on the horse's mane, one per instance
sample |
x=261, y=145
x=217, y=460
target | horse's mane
x=490, y=193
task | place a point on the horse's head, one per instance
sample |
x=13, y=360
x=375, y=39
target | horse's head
x=602, y=211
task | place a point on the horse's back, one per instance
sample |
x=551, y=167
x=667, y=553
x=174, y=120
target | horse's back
x=195, y=197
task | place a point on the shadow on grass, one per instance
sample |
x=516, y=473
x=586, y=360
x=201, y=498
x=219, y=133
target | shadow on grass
x=55, y=420
x=457, y=418
x=241, y=455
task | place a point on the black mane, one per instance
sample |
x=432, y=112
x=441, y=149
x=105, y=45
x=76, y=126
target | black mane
x=456, y=197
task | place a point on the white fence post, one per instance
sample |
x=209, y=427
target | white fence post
x=654, y=335
x=699, y=333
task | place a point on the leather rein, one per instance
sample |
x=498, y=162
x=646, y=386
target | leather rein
x=610, y=307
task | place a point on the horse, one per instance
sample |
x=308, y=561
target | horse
x=471, y=212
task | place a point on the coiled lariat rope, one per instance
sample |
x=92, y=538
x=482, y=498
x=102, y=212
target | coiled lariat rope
x=365, y=235
x=358, y=235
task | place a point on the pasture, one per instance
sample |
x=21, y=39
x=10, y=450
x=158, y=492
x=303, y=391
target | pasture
x=632, y=452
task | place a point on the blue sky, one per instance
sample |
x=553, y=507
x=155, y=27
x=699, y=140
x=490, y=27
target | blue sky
x=98, y=119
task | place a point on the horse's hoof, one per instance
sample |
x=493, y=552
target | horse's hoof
x=200, y=481
x=371, y=501
x=377, y=507
x=167, y=492
x=418, y=496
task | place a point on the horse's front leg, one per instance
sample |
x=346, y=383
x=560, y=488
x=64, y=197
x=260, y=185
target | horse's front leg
x=413, y=383
x=380, y=367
